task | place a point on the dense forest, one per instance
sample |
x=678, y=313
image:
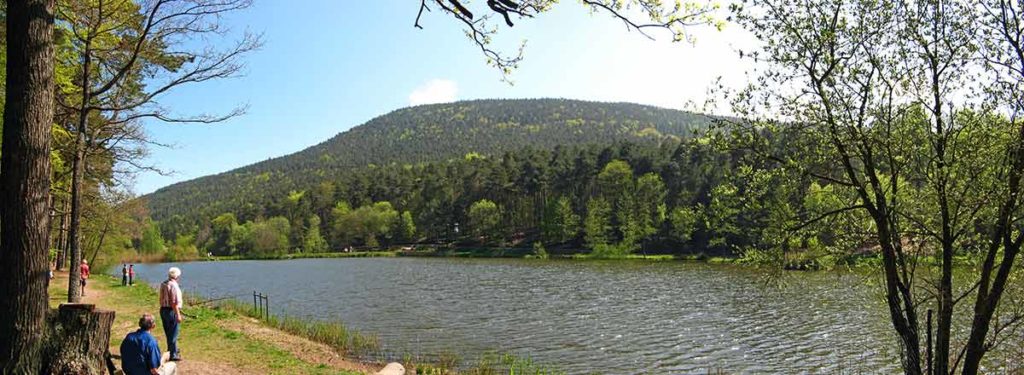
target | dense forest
x=418, y=174
x=655, y=195
x=421, y=134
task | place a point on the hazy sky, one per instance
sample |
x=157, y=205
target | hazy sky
x=330, y=65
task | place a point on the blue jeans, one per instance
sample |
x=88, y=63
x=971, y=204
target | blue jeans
x=171, y=329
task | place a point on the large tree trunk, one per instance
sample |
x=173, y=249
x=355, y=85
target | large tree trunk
x=25, y=185
x=81, y=338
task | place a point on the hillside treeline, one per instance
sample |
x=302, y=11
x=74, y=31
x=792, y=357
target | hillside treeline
x=666, y=196
x=422, y=134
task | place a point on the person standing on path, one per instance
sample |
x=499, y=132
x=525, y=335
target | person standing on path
x=124, y=275
x=131, y=274
x=84, y=271
x=170, y=311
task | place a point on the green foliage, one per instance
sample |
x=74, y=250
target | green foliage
x=313, y=241
x=182, y=249
x=597, y=226
x=616, y=181
x=561, y=224
x=684, y=222
x=222, y=240
x=611, y=251
x=407, y=227
x=484, y=218
x=648, y=208
x=539, y=251
x=366, y=225
x=265, y=237
x=151, y=242
x=414, y=135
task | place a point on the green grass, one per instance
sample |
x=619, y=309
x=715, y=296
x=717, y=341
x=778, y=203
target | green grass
x=203, y=336
x=333, y=334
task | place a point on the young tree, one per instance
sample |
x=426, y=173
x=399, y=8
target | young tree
x=683, y=222
x=484, y=219
x=220, y=240
x=649, y=206
x=313, y=242
x=886, y=90
x=407, y=227
x=1002, y=26
x=561, y=223
x=152, y=241
x=125, y=55
x=266, y=237
x=597, y=225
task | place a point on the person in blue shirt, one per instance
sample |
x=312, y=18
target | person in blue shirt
x=140, y=354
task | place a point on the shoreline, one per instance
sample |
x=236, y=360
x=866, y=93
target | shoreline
x=215, y=339
x=470, y=253
x=228, y=337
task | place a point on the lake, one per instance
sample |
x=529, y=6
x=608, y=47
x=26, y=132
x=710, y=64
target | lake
x=614, y=317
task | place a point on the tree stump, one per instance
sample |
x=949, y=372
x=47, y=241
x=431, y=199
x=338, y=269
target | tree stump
x=80, y=339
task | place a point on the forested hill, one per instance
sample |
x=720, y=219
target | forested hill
x=421, y=134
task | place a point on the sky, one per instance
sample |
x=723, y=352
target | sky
x=329, y=65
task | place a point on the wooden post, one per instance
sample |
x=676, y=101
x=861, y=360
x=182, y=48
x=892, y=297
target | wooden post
x=267, y=315
x=80, y=338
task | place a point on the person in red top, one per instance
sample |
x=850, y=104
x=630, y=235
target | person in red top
x=84, y=268
x=131, y=274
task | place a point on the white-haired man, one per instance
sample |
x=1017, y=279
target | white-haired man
x=170, y=311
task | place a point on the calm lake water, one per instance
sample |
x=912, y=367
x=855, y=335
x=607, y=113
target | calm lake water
x=581, y=316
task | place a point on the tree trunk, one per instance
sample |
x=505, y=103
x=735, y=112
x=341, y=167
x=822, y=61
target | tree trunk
x=77, y=175
x=74, y=229
x=81, y=338
x=99, y=242
x=25, y=184
x=62, y=242
x=945, y=321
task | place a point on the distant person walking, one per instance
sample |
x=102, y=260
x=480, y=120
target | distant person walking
x=131, y=274
x=170, y=311
x=140, y=354
x=124, y=275
x=84, y=273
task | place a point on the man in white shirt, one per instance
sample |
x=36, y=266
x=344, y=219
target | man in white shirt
x=170, y=311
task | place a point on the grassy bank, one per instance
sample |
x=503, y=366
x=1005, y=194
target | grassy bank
x=220, y=339
x=226, y=337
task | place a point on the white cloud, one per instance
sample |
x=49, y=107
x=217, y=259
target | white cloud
x=434, y=91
